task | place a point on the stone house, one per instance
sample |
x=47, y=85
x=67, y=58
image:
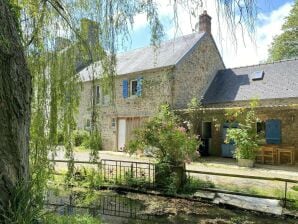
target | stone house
x=179, y=70
x=275, y=85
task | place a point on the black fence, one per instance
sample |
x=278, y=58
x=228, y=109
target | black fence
x=128, y=172
x=264, y=184
x=136, y=174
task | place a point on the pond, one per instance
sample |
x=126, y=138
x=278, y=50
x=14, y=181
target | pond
x=131, y=208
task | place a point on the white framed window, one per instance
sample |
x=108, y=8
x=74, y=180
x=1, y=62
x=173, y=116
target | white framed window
x=133, y=87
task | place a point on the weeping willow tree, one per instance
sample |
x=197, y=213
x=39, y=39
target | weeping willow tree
x=39, y=85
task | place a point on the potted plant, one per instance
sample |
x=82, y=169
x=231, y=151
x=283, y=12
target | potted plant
x=245, y=138
x=169, y=143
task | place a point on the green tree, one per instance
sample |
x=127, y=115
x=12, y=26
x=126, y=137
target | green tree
x=285, y=45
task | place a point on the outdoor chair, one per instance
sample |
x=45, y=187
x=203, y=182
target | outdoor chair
x=269, y=155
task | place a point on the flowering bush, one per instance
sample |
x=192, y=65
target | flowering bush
x=170, y=141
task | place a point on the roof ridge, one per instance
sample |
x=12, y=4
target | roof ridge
x=265, y=63
x=163, y=42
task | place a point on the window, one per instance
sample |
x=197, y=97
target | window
x=261, y=127
x=133, y=87
x=269, y=131
x=97, y=94
x=113, y=123
x=261, y=130
x=258, y=75
x=88, y=124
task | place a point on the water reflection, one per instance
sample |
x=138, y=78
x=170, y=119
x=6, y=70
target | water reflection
x=104, y=205
x=114, y=208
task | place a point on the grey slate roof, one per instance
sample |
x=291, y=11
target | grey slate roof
x=236, y=84
x=168, y=54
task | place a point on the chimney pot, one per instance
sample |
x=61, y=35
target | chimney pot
x=205, y=23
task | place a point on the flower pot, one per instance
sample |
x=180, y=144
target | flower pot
x=246, y=162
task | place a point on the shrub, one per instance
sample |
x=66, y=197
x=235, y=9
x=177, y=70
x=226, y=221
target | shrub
x=80, y=137
x=165, y=178
x=171, y=142
x=245, y=137
x=60, y=137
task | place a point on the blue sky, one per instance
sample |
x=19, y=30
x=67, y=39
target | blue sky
x=250, y=51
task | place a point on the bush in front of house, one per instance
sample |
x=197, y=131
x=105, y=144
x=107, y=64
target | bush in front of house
x=171, y=142
x=80, y=137
x=173, y=146
x=245, y=137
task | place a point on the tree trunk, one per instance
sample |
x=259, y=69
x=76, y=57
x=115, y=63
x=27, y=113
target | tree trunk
x=15, y=97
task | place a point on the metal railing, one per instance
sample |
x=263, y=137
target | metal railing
x=121, y=172
x=194, y=173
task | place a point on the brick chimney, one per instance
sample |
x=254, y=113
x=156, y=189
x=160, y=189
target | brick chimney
x=205, y=23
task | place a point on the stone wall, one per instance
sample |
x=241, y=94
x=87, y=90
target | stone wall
x=287, y=114
x=175, y=86
x=156, y=91
x=193, y=75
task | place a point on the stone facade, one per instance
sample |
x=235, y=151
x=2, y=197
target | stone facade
x=156, y=91
x=195, y=72
x=175, y=85
x=284, y=110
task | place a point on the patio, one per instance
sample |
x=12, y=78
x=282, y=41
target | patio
x=229, y=165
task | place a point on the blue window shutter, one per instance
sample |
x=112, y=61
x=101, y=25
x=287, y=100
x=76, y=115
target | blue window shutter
x=125, y=88
x=273, y=131
x=139, y=86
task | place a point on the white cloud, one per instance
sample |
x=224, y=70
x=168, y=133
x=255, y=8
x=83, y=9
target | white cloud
x=254, y=52
x=246, y=51
x=140, y=21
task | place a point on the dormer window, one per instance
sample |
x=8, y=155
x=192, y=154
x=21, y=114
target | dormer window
x=258, y=75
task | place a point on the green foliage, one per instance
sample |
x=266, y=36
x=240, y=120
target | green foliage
x=70, y=219
x=81, y=137
x=239, y=220
x=95, y=145
x=170, y=141
x=25, y=206
x=128, y=179
x=285, y=45
x=246, y=137
x=60, y=137
x=193, y=184
x=165, y=178
x=194, y=111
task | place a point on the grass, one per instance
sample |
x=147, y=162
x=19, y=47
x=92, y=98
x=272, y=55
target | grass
x=70, y=219
x=193, y=184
